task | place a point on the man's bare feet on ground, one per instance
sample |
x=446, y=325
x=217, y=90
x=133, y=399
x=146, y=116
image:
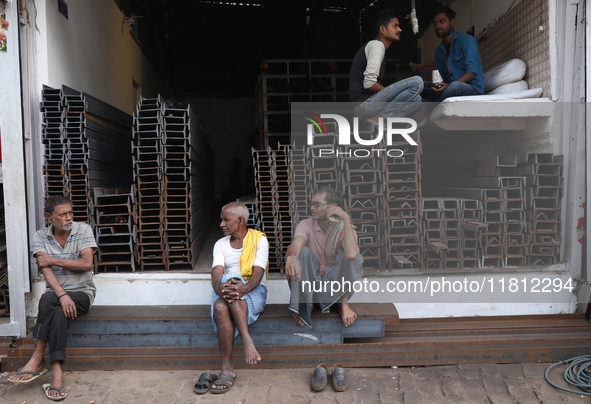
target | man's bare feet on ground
x=251, y=354
x=298, y=320
x=33, y=365
x=347, y=314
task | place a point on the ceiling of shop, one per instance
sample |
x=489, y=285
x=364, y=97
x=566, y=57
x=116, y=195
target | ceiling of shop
x=215, y=48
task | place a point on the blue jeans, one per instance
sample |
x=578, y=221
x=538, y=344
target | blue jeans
x=454, y=89
x=402, y=98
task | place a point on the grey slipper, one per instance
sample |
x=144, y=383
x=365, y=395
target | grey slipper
x=339, y=378
x=319, y=378
x=223, y=380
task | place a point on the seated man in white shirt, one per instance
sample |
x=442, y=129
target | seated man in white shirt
x=239, y=293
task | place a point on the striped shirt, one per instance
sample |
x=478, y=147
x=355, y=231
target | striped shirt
x=80, y=238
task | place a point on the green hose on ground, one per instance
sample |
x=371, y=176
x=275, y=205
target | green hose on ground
x=576, y=374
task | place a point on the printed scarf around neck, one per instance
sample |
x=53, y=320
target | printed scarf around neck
x=332, y=245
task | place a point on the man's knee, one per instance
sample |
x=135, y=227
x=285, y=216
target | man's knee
x=417, y=84
x=220, y=308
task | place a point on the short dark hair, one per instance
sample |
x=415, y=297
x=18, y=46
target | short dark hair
x=54, y=201
x=384, y=17
x=331, y=195
x=449, y=13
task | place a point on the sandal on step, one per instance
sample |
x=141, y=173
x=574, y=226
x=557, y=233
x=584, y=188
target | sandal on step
x=319, y=378
x=204, y=383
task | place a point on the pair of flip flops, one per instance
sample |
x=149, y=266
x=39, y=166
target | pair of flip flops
x=36, y=375
x=320, y=378
x=48, y=387
x=206, y=380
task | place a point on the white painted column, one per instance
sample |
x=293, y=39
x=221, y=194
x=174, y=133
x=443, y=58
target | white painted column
x=13, y=164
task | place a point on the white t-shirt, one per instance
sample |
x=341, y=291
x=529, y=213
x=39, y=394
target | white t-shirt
x=229, y=258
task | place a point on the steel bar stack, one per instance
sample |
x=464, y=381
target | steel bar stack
x=323, y=167
x=298, y=185
x=114, y=229
x=264, y=184
x=148, y=167
x=363, y=193
x=544, y=188
x=253, y=215
x=402, y=188
x=86, y=146
x=173, y=179
x=281, y=209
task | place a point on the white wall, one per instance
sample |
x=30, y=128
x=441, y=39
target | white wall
x=89, y=52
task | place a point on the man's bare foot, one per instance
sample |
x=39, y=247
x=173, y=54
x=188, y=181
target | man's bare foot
x=298, y=320
x=251, y=354
x=348, y=316
x=34, y=364
x=57, y=380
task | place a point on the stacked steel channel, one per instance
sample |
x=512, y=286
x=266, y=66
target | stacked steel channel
x=281, y=208
x=253, y=215
x=471, y=243
x=363, y=192
x=451, y=232
x=147, y=164
x=298, y=185
x=54, y=154
x=402, y=187
x=77, y=154
x=262, y=162
x=544, y=189
x=323, y=167
x=114, y=229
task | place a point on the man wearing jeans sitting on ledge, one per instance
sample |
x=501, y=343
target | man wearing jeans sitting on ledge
x=323, y=249
x=401, y=99
x=457, y=59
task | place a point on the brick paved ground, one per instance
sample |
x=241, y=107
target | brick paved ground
x=485, y=383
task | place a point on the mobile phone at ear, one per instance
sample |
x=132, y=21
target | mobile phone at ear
x=334, y=218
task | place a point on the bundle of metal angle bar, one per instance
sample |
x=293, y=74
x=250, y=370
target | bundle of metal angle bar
x=281, y=211
x=86, y=146
x=363, y=193
x=114, y=229
x=265, y=184
x=402, y=187
x=511, y=239
x=4, y=293
x=452, y=239
x=173, y=180
x=544, y=188
x=298, y=185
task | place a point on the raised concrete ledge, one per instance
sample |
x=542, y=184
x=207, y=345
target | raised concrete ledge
x=471, y=114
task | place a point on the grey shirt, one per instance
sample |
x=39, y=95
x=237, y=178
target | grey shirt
x=80, y=238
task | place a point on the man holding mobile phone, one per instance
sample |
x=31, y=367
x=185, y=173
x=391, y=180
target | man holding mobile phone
x=324, y=249
x=457, y=59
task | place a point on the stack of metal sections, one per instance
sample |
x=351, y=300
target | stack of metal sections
x=363, y=193
x=281, y=198
x=265, y=200
x=114, y=229
x=509, y=187
x=54, y=168
x=452, y=233
x=544, y=188
x=173, y=179
x=298, y=183
x=253, y=215
x=402, y=187
x=86, y=146
x=323, y=166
